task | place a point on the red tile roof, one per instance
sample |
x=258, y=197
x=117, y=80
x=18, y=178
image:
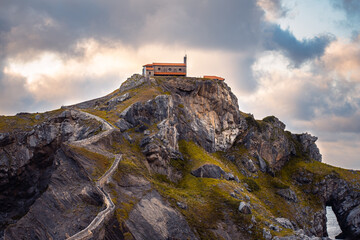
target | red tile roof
x=215, y=77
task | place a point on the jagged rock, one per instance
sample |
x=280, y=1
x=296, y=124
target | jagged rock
x=230, y=158
x=268, y=140
x=308, y=143
x=274, y=228
x=275, y=122
x=244, y=208
x=208, y=171
x=212, y=113
x=262, y=164
x=229, y=176
x=132, y=82
x=284, y=222
x=232, y=194
x=5, y=139
x=123, y=125
x=181, y=205
x=287, y=194
x=117, y=100
x=303, y=177
x=152, y=218
x=266, y=234
x=353, y=222
x=127, y=137
x=187, y=109
x=249, y=165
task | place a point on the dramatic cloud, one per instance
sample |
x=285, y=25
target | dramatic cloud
x=322, y=97
x=298, y=51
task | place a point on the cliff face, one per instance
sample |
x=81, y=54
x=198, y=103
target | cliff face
x=193, y=166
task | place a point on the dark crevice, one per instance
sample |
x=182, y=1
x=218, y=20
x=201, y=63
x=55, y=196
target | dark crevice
x=27, y=185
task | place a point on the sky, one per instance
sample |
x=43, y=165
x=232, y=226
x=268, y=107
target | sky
x=296, y=59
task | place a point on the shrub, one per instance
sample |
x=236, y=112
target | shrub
x=253, y=186
x=276, y=183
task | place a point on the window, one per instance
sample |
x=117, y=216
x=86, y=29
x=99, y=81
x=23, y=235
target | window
x=149, y=73
x=179, y=69
x=158, y=69
x=169, y=69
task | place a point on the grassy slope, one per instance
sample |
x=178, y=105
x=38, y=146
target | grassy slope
x=25, y=122
x=139, y=94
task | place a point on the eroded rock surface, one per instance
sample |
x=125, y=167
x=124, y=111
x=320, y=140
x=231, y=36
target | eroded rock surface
x=160, y=190
x=152, y=218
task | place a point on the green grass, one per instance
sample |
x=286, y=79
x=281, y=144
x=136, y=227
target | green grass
x=209, y=200
x=25, y=122
x=198, y=156
x=99, y=163
x=142, y=94
x=253, y=186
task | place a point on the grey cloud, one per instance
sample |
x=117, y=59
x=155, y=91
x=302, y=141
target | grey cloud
x=351, y=8
x=297, y=51
x=35, y=26
x=14, y=98
x=232, y=25
x=332, y=102
x=229, y=24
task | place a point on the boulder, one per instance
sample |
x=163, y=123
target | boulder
x=284, y=222
x=229, y=176
x=244, y=208
x=262, y=164
x=208, y=171
x=287, y=194
x=181, y=205
x=266, y=234
x=152, y=219
x=123, y=125
x=249, y=164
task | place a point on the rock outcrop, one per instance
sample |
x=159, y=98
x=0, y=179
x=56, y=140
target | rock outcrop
x=152, y=218
x=208, y=171
x=194, y=167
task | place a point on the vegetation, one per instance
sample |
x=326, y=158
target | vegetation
x=25, y=121
x=252, y=185
x=139, y=94
x=97, y=165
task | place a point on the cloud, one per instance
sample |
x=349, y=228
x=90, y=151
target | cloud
x=298, y=51
x=273, y=9
x=58, y=25
x=326, y=90
x=60, y=28
x=351, y=8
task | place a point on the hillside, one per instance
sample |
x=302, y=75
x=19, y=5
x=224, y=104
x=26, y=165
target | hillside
x=167, y=158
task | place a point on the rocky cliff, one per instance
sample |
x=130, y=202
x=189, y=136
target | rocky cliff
x=193, y=166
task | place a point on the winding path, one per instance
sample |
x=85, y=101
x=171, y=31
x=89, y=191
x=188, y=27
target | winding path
x=87, y=232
